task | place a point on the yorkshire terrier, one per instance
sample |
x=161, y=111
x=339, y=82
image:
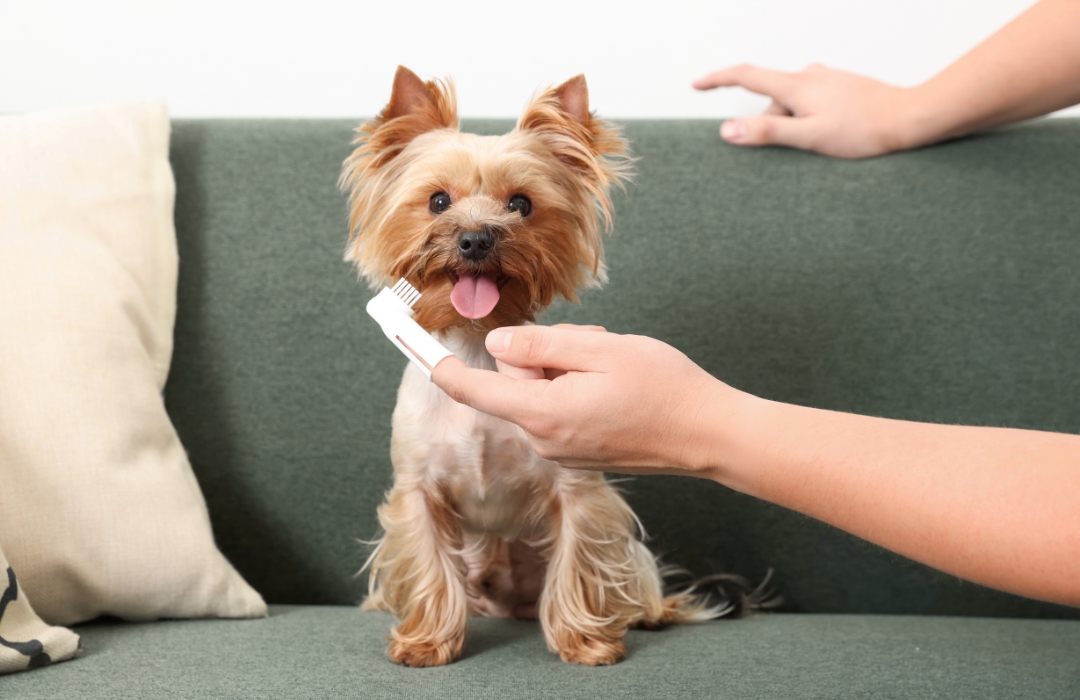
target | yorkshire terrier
x=490, y=229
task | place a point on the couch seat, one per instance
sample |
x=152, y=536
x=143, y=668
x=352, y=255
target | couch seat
x=337, y=652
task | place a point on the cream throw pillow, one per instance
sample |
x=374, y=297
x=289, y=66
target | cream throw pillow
x=100, y=512
x=26, y=641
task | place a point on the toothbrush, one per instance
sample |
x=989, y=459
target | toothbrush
x=392, y=308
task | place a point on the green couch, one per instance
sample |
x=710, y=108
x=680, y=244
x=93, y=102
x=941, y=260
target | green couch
x=938, y=285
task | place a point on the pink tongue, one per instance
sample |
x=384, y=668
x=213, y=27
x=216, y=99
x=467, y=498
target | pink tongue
x=475, y=297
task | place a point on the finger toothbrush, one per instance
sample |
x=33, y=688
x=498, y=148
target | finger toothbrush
x=392, y=308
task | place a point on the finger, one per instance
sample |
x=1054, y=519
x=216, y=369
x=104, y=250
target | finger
x=555, y=348
x=777, y=109
x=537, y=372
x=574, y=326
x=493, y=393
x=769, y=129
x=519, y=372
x=775, y=84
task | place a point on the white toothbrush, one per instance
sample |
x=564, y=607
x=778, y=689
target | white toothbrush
x=392, y=308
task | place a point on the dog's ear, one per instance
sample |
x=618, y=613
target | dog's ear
x=577, y=137
x=573, y=96
x=430, y=105
x=415, y=107
x=567, y=103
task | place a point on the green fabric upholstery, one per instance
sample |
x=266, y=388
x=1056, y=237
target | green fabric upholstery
x=938, y=285
x=337, y=652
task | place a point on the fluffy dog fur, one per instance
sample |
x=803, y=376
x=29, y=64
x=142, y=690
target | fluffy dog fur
x=476, y=522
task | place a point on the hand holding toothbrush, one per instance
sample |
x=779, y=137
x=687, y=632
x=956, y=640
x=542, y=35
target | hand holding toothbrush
x=576, y=389
x=994, y=505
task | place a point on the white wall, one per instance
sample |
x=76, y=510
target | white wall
x=335, y=58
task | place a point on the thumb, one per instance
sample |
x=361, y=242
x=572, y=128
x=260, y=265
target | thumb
x=539, y=372
x=769, y=129
x=572, y=349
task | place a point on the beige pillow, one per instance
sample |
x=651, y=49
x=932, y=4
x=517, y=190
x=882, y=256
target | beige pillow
x=26, y=641
x=99, y=509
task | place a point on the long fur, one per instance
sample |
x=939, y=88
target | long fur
x=477, y=522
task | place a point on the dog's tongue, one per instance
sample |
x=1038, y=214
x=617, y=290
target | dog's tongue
x=475, y=297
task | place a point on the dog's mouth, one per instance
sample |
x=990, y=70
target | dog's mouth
x=475, y=295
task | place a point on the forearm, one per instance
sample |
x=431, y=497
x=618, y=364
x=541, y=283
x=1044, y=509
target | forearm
x=1028, y=68
x=996, y=506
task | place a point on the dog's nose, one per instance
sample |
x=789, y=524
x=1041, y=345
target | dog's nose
x=475, y=245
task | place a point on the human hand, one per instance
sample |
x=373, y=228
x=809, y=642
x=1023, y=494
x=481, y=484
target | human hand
x=605, y=401
x=820, y=109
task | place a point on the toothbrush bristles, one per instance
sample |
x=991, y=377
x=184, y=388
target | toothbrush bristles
x=406, y=292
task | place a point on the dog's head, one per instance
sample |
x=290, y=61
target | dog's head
x=489, y=228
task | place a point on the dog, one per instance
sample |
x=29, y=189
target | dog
x=491, y=229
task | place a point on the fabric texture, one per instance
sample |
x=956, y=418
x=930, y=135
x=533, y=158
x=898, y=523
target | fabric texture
x=934, y=285
x=339, y=653
x=99, y=510
x=937, y=285
x=25, y=641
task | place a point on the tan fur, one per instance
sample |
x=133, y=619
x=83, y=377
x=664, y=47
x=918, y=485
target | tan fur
x=477, y=522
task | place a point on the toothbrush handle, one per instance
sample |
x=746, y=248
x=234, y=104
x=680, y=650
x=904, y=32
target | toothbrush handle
x=395, y=319
x=423, y=350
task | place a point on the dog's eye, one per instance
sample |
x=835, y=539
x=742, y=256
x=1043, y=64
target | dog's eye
x=521, y=204
x=439, y=202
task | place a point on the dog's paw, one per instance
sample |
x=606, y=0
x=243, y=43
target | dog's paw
x=426, y=653
x=585, y=651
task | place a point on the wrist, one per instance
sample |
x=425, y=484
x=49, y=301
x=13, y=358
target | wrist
x=721, y=437
x=926, y=116
x=913, y=122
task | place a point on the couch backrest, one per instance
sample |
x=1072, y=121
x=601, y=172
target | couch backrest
x=939, y=285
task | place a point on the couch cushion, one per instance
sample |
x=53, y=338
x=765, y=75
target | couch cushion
x=338, y=652
x=25, y=641
x=935, y=285
x=99, y=510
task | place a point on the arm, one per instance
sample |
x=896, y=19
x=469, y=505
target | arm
x=997, y=506
x=1028, y=68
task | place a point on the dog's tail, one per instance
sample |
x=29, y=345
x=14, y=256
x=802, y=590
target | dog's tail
x=716, y=596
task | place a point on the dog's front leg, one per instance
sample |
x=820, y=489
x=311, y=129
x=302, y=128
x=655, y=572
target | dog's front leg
x=600, y=578
x=421, y=577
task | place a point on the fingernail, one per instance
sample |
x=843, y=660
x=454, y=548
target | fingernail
x=733, y=130
x=498, y=340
